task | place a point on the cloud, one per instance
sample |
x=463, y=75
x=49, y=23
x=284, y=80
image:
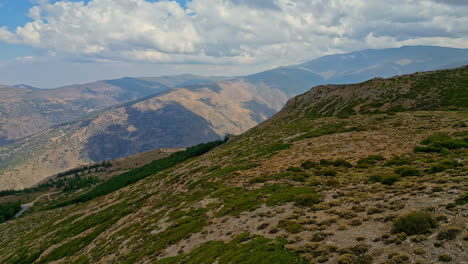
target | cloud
x=235, y=32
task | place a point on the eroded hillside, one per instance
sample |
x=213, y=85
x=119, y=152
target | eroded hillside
x=305, y=187
x=177, y=118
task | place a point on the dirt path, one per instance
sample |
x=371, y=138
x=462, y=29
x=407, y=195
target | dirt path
x=25, y=207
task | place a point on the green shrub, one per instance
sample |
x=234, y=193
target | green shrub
x=389, y=179
x=290, y=226
x=406, y=171
x=398, y=161
x=444, y=165
x=445, y=258
x=346, y=259
x=9, y=210
x=369, y=160
x=414, y=223
x=307, y=199
x=440, y=141
x=449, y=233
x=342, y=163
x=309, y=165
x=462, y=200
x=329, y=172
x=295, y=169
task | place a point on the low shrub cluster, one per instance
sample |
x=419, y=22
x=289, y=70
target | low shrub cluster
x=388, y=179
x=414, y=223
x=440, y=143
x=369, y=160
x=8, y=210
x=406, y=171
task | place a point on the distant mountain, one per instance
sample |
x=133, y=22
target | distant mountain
x=192, y=114
x=359, y=66
x=25, y=110
x=175, y=118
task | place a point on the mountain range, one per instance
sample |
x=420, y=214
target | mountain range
x=373, y=172
x=101, y=121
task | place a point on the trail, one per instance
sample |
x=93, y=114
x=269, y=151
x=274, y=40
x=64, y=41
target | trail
x=25, y=207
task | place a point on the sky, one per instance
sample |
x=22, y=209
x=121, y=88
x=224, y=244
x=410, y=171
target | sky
x=52, y=43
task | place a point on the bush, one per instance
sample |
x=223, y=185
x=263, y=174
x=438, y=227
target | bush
x=309, y=165
x=330, y=172
x=307, y=199
x=342, y=163
x=8, y=211
x=346, y=259
x=385, y=179
x=449, y=233
x=295, y=169
x=444, y=165
x=398, y=161
x=369, y=160
x=462, y=200
x=406, y=171
x=445, y=258
x=414, y=223
x=440, y=142
x=290, y=226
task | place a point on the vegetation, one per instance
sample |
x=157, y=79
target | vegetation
x=439, y=143
x=76, y=171
x=388, y=179
x=125, y=179
x=369, y=160
x=8, y=211
x=406, y=171
x=244, y=248
x=463, y=199
x=414, y=223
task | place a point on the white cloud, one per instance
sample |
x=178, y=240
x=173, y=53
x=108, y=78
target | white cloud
x=265, y=32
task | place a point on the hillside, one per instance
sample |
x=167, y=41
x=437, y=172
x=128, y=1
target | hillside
x=384, y=183
x=25, y=110
x=177, y=118
x=198, y=113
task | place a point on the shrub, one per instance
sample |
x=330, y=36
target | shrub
x=307, y=199
x=8, y=211
x=414, y=223
x=332, y=183
x=342, y=163
x=440, y=141
x=406, y=171
x=290, y=226
x=444, y=165
x=449, y=233
x=462, y=200
x=295, y=169
x=398, y=161
x=346, y=258
x=445, y=258
x=369, y=160
x=329, y=172
x=309, y=165
x=385, y=179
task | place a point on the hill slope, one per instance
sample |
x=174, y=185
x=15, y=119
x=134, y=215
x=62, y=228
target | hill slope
x=305, y=186
x=25, y=110
x=177, y=118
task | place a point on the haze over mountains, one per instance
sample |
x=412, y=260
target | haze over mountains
x=164, y=117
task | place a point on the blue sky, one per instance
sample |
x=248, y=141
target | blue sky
x=68, y=43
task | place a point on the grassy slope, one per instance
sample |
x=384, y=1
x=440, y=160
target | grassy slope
x=250, y=196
